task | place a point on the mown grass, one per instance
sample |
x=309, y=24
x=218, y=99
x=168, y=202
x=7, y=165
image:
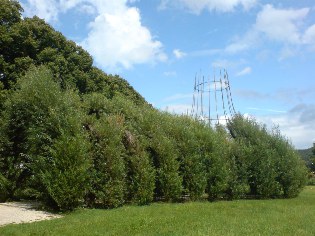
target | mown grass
x=244, y=217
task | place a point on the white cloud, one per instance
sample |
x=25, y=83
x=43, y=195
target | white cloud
x=178, y=53
x=87, y=9
x=197, y=6
x=285, y=95
x=222, y=64
x=170, y=73
x=47, y=10
x=309, y=37
x=68, y=4
x=244, y=43
x=119, y=39
x=179, y=96
x=298, y=124
x=116, y=37
x=247, y=70
x=282, y=26
x=266, y=109
x=287, y=52
x=177, y=108
x=227, y=64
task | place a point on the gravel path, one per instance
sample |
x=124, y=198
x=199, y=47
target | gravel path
x=22, y=212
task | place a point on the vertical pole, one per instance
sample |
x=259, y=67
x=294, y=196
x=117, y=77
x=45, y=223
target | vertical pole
x=209, y=105
x=222, y=97
x=215, y=98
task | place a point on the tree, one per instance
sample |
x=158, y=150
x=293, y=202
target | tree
x=274, y=169
x=43, y=145
x=313, y=158
x=108, y=173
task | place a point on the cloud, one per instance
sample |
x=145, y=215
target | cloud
x=224, y=63
x=281, y=25
x=177, y=108
x=285, y=95
x=197, y=6
x=179, y=96
x=178, y=53
x=116, y=36
x=205, y=52
x=298, y=124
x=47, y=10
x=309, y=37
x=87, y=9
x=170, y=73
x=239, y=44
x=119, y=39
x=285, y=27
x=264, y=109
x=251, y=94
x=247, y=70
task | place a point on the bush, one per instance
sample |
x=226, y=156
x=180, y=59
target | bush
x=168, y=181
x=192, y=140
x=141, y=178
x=217, y=164
x=39, y=117
x=64, y=175
x=108, y=172
x=3, y=188
x=273, y=167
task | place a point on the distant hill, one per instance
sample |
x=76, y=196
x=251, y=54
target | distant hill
x=306, y=155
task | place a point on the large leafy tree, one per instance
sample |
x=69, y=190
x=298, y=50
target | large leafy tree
x=31, y=41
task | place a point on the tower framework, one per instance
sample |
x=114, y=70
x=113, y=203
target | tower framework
x=212, y=99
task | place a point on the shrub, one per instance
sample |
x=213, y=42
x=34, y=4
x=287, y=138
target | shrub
x=141, y=177
x=217, y=164
x=64, y=175
x=109, y=172
x=3, y=188
x=273, y=167
x=39, y=117
x=192, y=140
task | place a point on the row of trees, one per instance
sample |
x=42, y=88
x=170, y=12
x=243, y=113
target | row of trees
x=69, y=150
x=72, y=135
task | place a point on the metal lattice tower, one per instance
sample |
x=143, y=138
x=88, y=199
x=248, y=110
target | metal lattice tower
x=212, y=99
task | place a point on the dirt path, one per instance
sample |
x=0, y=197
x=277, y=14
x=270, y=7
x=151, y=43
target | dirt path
x=22, y=212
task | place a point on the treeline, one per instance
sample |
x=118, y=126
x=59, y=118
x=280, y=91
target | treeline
x=71, y=135
x=69, y=150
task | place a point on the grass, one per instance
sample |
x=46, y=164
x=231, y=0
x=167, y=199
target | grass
x=244, y=217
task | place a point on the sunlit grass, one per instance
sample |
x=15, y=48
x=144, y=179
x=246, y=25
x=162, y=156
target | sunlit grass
x=244, y=217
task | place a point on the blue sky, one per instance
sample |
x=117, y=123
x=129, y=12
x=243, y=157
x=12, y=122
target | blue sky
x=158, y=46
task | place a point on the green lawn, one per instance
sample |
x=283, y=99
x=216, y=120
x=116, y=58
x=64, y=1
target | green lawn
x=243, y=217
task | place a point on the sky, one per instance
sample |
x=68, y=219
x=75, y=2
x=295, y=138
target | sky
x=158, y=46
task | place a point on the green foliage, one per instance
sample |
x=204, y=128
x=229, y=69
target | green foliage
x=10, y=12
x=37, y=115
x=192, y=140
x=273, y=167
x=169, y=182
x=108, y=172
x=31, y=41
x=141, y=174
x=64, y=173
x=72, y=135
x=3, y=188
x=313, y=159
